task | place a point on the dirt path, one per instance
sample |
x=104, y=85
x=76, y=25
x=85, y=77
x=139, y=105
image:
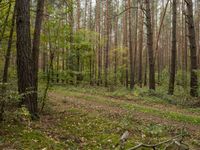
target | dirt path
x=61, y=102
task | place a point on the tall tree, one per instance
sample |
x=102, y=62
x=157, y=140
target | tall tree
x=193, y=50
x=150, y=46
x=130, y=47
x=8, y=52
x=125, y=46
x=173, y=50
x=71, y=38
x=24, y=56
x=107, y=42
x=36, y=44
x=6, y=64
x=98, y=30
x=140, y=47
x=116, y=42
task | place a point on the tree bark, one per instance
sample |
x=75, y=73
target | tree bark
x=131, y=48
x=150, y=46
x=24, y=57
x=107, y=42
x=8, y=52
x=173, y=51
x=6, y=65
x=140, y=48
x=193, y=50
x=36, y=44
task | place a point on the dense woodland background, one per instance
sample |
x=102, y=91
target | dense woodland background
x=145, y=47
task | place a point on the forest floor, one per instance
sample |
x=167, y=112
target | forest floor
x=95, y=118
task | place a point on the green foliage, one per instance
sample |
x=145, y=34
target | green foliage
x=154, y=130
x=23, y=112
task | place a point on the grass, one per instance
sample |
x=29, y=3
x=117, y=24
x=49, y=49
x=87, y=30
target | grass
x=90, y=131
x=21, y=137
x=78, y=129
x=176, y=116
x=84, y=128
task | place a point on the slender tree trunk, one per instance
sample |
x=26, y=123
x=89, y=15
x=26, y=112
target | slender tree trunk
x=71, y=41
x=150, y=47
x=125, y=47
x=140, y=48
x=8, y=52
x=173, y=51
x=107, y=42
x=78, y=14
x=131, y=48
x=44, y=60
x=146, y=67
x=116, y=46
x=98, y=30
x=135, y=44
x=57, y=67
x=193, y=50
x=6, y=65
x=36, y=45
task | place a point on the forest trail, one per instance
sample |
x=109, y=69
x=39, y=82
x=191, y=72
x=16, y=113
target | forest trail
x=137, y=110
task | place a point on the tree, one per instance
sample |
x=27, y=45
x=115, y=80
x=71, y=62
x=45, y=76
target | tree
x=98, y=30
x=150, y=46
x=8, y=52
x=130, y=47
x=24, y=57
x=6, y=64
x=125, y=46
x=116, y=26
x=36, y=44
x=173, y=53
x=71, y=38
x=193, y=50
x=140, y=47
x=107, y=42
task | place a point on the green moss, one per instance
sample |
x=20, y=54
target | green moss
x=24, y=138
x=90, y=131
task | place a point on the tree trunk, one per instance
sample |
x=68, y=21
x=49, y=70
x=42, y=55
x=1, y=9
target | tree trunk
x=98, y=30
x=24, y=57
x=107, y=42
x=36, y=44
x=131, y=48
x=115, y=53
x=8, y=52
x=193, y=50
x=150, y=46
x=173, y=51
x=6, y=65
x=125, y=46
x=140, y=48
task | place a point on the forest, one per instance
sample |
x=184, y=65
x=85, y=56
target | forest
x=99, y=74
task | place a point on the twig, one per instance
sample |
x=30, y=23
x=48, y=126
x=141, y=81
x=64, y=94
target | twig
x=156, y=145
